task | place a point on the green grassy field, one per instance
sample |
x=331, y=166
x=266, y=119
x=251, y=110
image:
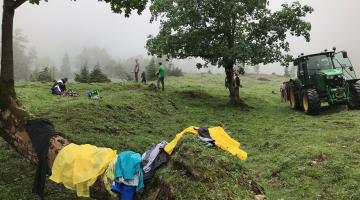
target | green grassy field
x=291, y=155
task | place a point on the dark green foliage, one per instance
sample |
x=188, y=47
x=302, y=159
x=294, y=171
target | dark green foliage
x=171, y=70
x=97, y=76
x=44, y=75
x=223, y=32
x=151, y=70
x=84, y=75
x=123, y=6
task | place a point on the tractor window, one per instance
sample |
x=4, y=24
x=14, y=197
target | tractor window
x=293, y=72
x=320, y=62
x=345, y=64
x=300, y=72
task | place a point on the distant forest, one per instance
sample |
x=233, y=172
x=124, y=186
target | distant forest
x=30, y=66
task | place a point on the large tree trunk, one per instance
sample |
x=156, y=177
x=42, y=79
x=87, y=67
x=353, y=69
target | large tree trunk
x=7, y=63
x=12, y=116
x=234, y=95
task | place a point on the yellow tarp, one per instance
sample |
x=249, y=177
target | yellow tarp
x=222, y=140
x=78, y=166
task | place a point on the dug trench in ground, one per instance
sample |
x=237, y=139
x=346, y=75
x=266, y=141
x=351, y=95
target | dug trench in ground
x=194, y=171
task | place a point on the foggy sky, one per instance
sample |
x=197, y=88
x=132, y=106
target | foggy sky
x=62, y=26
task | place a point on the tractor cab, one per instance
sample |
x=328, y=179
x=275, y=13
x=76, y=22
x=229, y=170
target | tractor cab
x=328, y=64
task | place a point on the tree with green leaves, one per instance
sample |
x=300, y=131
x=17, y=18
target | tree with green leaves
x=45, y=75
x=13, y=116
x=84, y=75
x=151, y=70
x=171, y=70
x=224, y=33
x=97, y=76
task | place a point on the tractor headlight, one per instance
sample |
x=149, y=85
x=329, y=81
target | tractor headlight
x=338, y=94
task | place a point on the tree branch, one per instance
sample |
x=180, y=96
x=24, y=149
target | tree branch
x=18, y=3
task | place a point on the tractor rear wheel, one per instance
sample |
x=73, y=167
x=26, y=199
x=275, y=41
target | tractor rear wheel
x=294, y=101
x=311, y=102
x=355, y=97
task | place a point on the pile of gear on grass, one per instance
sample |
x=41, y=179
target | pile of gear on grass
x=123, y=174
x=59, y=88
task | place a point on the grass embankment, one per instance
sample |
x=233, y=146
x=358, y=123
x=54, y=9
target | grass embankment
x=292, y=155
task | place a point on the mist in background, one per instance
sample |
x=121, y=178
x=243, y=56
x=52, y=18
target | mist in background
x=60, y=27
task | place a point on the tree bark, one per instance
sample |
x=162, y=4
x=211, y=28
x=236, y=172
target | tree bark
x=234, y=95
x=7, y=63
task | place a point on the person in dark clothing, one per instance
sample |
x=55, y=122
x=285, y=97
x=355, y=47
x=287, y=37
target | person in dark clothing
x=143, y=77
x=59, y=86
x=226, y=83
x=283, y=92
x=237, y=84
x=237, y=81
x=136, y=70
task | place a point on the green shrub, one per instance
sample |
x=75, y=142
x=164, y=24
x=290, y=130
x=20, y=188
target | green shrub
x=174, y=71
x=43, y=75
x=84, y=76
x=151, y=70
x=97, y=76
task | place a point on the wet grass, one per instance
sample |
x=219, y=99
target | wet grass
x=291, y=155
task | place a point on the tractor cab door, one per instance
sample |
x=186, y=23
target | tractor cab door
x=341, y=61
x=303, y=73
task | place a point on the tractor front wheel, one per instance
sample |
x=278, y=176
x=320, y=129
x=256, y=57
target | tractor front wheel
x=355, y=97
x=311, y=102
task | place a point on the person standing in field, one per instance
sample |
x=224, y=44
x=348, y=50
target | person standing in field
x=136, y=70
x=161, y=76
x=143, y=77
x=237, y=84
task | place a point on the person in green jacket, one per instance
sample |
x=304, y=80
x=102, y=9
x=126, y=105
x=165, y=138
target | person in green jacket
x=161, y=76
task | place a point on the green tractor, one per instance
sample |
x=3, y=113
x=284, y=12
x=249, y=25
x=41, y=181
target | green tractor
x=324, y=77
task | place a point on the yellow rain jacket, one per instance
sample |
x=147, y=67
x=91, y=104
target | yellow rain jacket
x=109, y=177
x=78, y=166
x=218, y=134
